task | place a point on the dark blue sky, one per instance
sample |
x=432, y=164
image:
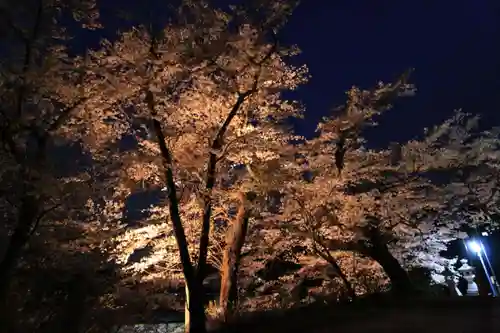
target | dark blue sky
x=453, y=46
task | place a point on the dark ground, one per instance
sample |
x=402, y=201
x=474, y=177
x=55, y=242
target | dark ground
x=381, y=315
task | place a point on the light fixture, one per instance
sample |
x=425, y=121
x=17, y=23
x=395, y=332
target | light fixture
x=474, y=246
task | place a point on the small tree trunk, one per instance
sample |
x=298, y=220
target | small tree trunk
x=26, y=220
x=400, y=280
x=343, y=277
x=230, y=263
x=324, y=252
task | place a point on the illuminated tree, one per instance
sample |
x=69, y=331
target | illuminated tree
x=198, y=97
x=386, y=204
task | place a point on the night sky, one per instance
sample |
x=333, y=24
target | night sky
x=453, y=46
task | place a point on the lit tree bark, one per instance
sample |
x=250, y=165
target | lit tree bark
x=195, y=311
x=215, y=148
x=230, y=263
x=217, y=145
x=187, y=320
x=194, y=277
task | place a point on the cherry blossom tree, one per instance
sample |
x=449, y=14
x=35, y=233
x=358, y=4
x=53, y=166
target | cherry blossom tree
x=471, y=192
x=385, y=203
x=207, y=92
x=313, y=189
x=66, y=268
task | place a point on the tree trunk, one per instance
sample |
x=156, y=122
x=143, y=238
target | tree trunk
x=217, y=145
x=230, y=263
x=195, y=319
x=325, y=254
x=194, y=314
x=378, y=250
x=26, y=220
x=400, y=280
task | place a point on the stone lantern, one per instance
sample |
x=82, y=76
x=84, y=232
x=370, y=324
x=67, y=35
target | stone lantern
x=467, y=271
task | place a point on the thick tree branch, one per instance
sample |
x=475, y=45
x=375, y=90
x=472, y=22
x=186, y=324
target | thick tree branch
x=210, y=182
x=180, y=235
x=216, y=146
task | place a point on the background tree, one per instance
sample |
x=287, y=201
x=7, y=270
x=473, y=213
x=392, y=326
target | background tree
x=40, y=89
x=391, y=205
x=316, y=197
